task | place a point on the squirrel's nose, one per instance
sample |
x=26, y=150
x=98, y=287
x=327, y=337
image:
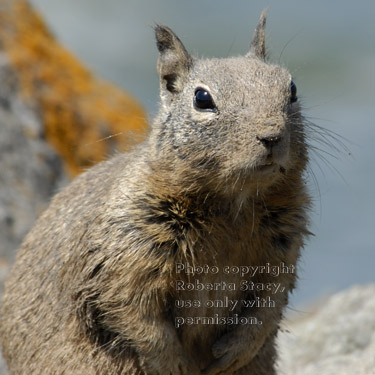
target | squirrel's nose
x=269, y=141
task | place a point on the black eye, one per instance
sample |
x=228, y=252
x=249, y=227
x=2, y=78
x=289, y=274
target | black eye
x=203, y=100
x=293, y=92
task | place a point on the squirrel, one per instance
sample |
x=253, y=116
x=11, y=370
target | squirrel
x=217, y=187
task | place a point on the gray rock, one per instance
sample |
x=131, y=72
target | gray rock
x=338, y=337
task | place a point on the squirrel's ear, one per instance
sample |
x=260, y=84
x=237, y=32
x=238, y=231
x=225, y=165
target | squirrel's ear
x=258, y=46
x=174, y=61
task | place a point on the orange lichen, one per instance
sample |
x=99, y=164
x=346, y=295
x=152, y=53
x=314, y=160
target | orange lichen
x=78, y=110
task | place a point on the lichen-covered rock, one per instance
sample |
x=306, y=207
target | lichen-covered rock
x=50, y=106
x=80, y=113
x=337, y=338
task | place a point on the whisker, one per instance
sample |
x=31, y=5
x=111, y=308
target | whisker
x=287, y=44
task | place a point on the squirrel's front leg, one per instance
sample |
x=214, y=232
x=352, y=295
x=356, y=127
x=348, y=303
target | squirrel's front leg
x=160, y=352
x=137, y=313
x=239, y=346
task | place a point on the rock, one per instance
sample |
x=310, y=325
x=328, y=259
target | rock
x=337, y=338
x=3, y=368
x=51, y=109
x=84, y=118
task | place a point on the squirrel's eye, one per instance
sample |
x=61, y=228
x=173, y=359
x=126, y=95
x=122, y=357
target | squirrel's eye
x=203, y=100
x=293, y=92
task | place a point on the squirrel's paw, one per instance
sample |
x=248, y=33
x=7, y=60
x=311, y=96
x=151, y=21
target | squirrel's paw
x=174, y=366
x=231, y=353
x=185, y=367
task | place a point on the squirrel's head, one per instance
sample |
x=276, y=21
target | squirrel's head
x=235, y=120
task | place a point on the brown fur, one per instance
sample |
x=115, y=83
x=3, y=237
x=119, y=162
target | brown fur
x=93, y=287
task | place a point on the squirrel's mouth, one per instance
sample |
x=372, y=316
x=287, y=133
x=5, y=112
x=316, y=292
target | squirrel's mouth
x=267, y=167
x=268, y=164
x=270, y=167
x=273, y=161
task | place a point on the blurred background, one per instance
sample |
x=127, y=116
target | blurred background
x=329, y=47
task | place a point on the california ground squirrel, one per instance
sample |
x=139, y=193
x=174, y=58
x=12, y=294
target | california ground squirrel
x=216, y=188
